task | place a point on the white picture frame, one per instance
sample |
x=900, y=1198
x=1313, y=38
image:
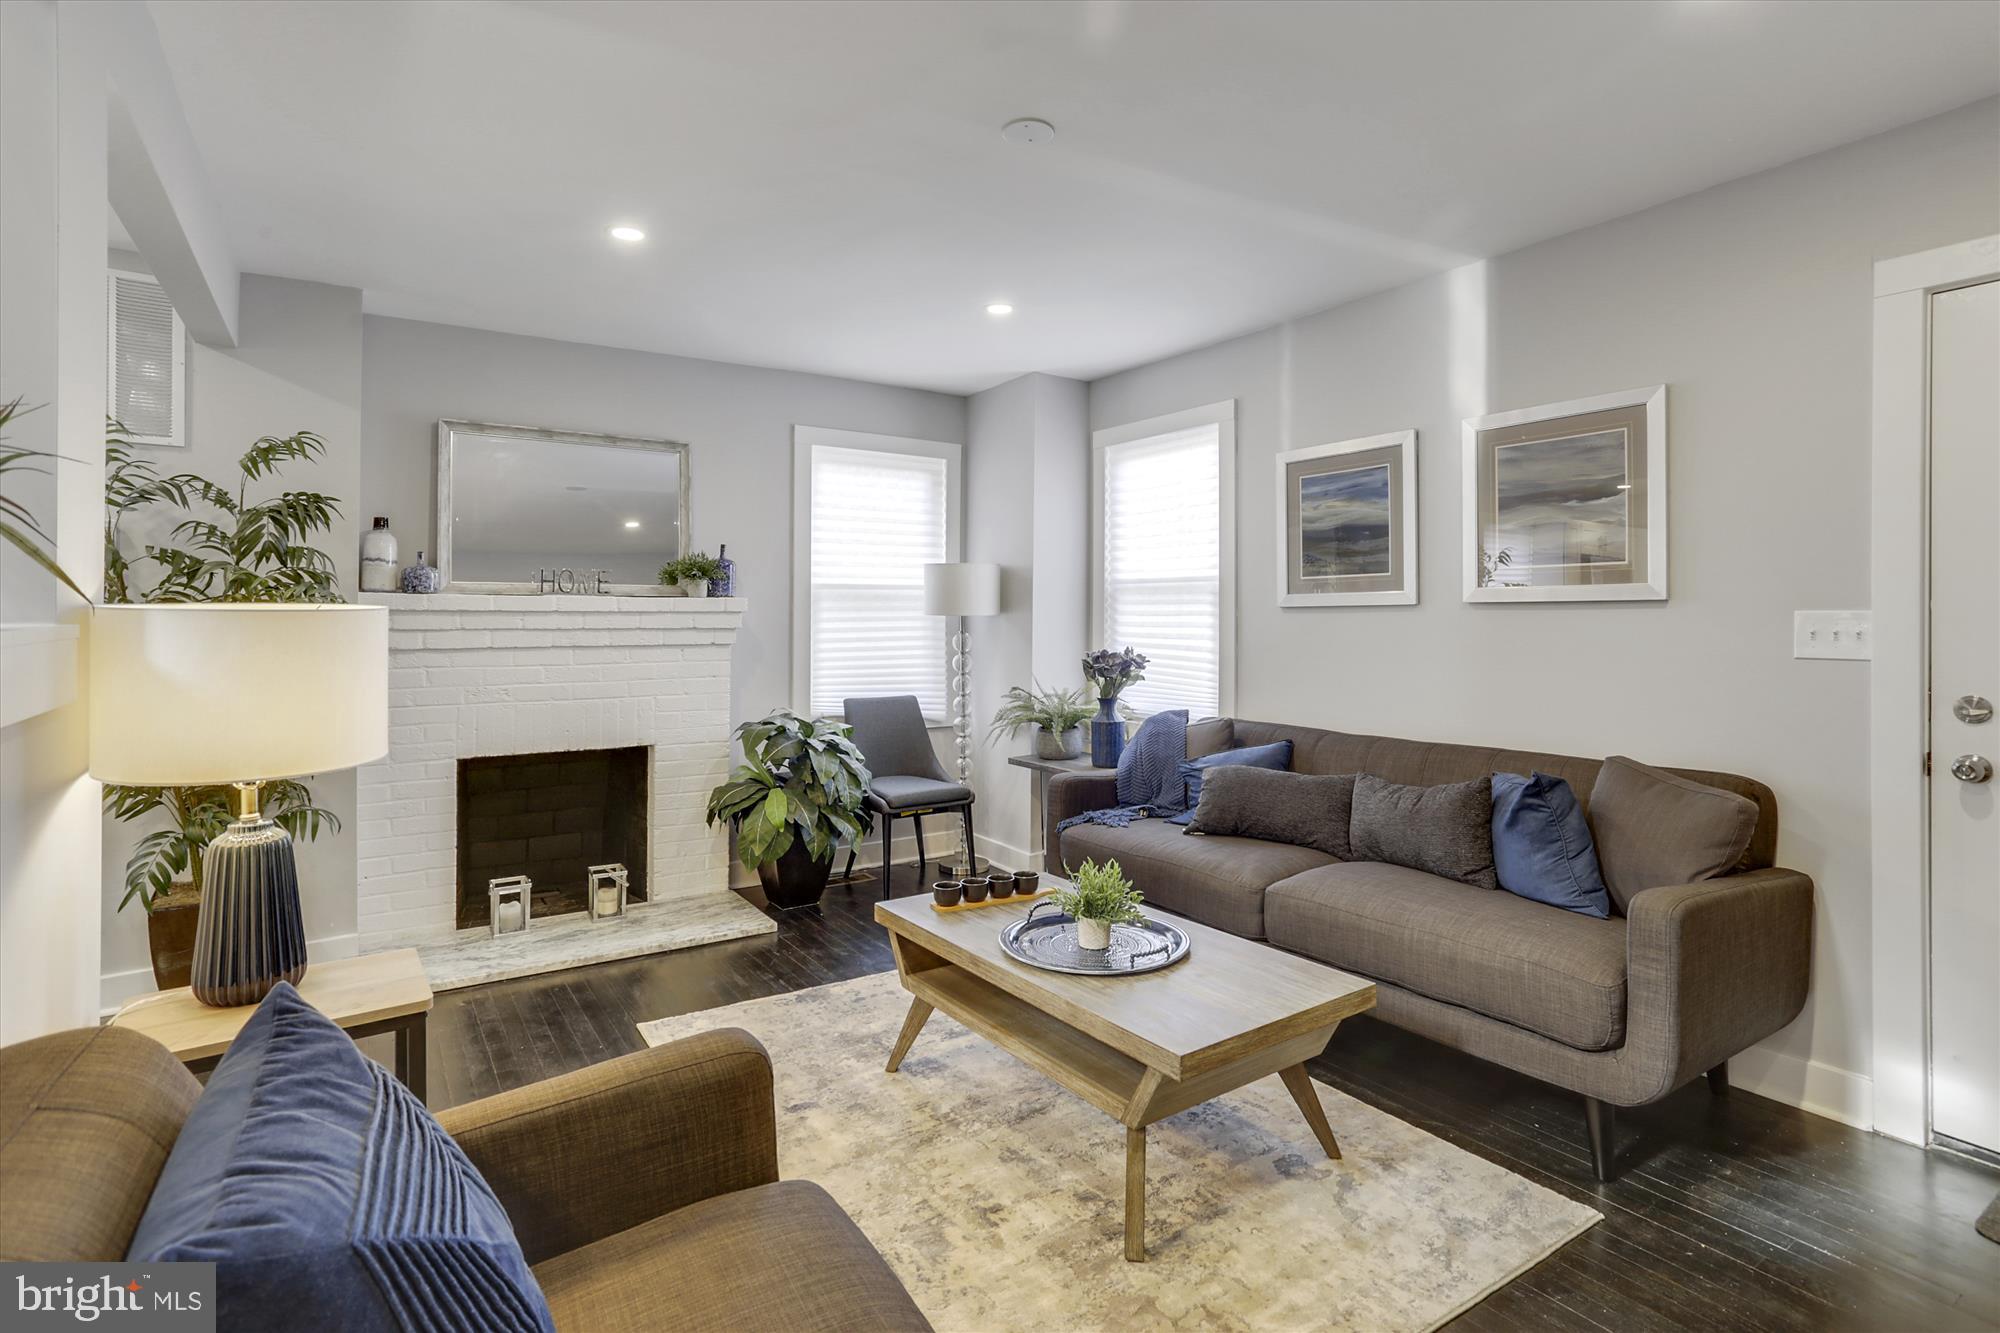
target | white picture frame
x=1645, y=581
x=1399, y=480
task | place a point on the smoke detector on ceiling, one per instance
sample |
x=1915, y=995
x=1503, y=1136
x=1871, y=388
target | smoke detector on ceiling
x=1027, y=130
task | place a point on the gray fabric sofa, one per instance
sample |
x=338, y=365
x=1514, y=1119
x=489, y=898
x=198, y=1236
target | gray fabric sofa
x=1622, y=1011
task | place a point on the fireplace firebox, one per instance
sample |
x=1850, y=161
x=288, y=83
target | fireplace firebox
x=550, y=817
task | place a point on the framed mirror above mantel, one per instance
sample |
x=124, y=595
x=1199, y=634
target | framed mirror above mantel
x=517, y=503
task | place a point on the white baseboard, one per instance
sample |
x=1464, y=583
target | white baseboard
x=117, y=989
x=1822, y=1089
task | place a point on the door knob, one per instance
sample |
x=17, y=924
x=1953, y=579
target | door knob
x=1972, y=768
x=1972, y=708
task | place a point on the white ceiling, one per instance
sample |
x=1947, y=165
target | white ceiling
x=826, y=188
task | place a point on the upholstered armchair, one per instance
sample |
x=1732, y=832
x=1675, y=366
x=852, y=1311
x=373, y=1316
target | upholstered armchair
x=909, y=782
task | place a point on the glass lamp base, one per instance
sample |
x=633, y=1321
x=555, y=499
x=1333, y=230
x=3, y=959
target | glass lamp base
x=251, y=934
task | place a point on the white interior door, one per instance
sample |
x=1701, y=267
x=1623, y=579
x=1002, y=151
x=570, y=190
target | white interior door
x=1964, y=734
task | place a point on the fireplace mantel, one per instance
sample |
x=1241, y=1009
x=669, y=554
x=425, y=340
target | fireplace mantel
x=473, y=676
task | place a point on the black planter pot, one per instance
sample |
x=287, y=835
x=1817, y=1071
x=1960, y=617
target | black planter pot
x=795, y=879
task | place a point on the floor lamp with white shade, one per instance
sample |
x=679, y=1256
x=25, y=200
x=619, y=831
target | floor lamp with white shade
x=962, y=590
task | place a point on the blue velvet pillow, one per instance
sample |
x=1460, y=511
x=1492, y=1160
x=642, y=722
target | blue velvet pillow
x=1278, y=754
x=1541, y=844
x=327, y=1197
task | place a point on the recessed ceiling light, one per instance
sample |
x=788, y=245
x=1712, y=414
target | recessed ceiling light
x=627, y=234
x=631, y=522
x=1027, y=130
x=999, y=308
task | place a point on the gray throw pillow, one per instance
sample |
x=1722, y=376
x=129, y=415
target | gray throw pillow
x=1654, y=828
x=1303, y=809
x=1445, y=830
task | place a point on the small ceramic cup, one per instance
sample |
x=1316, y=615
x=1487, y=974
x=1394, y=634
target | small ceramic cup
x=1027, y=882
x=975, y=888
x=1001, y=882
x=946, y=892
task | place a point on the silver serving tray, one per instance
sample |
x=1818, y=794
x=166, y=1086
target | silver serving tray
x=1047, y=939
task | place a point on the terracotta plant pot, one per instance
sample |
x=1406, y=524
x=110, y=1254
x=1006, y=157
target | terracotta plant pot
x=795, y=879
x=170, y=930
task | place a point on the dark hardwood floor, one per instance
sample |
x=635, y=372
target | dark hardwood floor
x=1732, y=1212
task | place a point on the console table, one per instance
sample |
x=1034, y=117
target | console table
x=371, y=994
x=1045, y=771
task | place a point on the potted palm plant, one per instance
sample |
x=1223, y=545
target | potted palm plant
x=1098, y=898
x=801, y=788
x=226, y=547
x=1057, y=717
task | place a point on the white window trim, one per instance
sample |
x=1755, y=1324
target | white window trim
x=113, y=272
x=804, y=440
x=1222, y=416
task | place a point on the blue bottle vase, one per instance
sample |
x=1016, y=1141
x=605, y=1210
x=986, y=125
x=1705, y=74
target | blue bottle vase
x=1107, y=735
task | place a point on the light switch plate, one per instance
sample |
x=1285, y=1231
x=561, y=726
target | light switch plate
x=1844, y=635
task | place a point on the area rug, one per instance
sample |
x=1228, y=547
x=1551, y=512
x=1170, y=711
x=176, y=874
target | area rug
x=999, y=1198
x=550, y=944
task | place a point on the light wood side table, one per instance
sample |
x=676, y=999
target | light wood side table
x=368, y=995
x=1045, y=771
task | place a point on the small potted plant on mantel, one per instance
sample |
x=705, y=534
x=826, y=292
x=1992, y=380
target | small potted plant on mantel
x=802, y=788
x=1098, y=898
x=1057, y=717
x=690, y=575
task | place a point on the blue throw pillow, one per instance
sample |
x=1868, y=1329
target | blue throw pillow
x=1278, y=754
x=327, y=1197
x=1541, y=844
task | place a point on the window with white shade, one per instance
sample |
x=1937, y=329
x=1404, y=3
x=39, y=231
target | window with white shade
x=872, y=512
x=1163, y=556
x=146, y=372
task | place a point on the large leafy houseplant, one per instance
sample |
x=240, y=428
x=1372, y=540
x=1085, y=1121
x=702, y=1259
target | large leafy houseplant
x=801, y=788
x=254, y=551
x=17, y=525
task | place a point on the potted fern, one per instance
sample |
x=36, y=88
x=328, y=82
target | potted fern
x=1098, y=898
x=690, y=575
x=802, y=788
x=1057, y=717
x=223, y=547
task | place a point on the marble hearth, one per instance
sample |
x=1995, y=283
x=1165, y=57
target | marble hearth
x=474, y=677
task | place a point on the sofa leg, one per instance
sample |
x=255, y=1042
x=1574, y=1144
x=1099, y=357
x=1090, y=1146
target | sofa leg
x=1600, y=1120
x=1718, y=1079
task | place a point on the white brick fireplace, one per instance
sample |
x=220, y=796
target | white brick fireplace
x=475, y=676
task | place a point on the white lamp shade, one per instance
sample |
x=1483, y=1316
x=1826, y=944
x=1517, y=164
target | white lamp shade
x=193, y=695
x=962, y=590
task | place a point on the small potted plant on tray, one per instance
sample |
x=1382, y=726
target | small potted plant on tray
x=801, y=790
x=1098, y=898
x=690, y=575
x=1056, y=715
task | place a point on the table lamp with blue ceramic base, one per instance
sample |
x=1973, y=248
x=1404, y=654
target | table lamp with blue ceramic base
x=214, y=694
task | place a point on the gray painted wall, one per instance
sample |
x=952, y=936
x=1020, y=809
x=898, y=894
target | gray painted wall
x=1752, y=302
x=737, y=421
x=297, y=367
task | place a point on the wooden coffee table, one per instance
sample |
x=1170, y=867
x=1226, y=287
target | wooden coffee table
x=1137, y=1048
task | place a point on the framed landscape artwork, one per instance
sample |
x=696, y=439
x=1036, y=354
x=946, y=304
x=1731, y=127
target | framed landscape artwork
x=1568, y=502
x=1347, y=523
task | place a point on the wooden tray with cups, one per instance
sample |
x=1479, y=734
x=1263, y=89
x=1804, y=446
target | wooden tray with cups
x=987, y=890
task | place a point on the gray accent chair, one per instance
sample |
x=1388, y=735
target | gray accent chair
x=908, y=781
x=1621, y=1011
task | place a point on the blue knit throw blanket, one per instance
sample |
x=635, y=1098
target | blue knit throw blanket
x=1149, y=774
